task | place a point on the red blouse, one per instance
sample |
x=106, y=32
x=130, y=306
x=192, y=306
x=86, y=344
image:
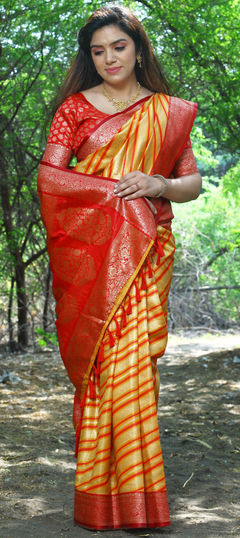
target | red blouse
x=74, y=121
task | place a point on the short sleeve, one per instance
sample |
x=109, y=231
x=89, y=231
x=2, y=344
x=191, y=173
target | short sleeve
x=64, y=124
x=186, y=164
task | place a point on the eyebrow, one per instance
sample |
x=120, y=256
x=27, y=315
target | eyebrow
x=113, y=43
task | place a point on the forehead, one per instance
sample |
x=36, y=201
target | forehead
x=108, y=34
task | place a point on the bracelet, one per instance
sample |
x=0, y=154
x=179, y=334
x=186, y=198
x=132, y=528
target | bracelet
x=163, y=179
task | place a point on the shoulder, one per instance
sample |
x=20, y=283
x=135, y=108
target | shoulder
x=179, y=109
x=72, y=102
x=73, y=108
x=179, y=103
x=93, y=92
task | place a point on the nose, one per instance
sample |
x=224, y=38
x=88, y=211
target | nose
x=110, y=56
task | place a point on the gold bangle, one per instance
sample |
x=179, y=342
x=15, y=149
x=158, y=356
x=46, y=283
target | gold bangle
x=163, y=179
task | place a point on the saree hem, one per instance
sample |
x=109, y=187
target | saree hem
x=125, y=510
x=128, y=526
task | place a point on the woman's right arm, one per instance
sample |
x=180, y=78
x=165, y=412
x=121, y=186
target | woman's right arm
x=59, y=148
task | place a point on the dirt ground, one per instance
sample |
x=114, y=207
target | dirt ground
x=199, y=421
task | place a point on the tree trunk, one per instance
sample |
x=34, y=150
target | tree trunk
x=12, y=343
x=21, y=304
x=46, y=301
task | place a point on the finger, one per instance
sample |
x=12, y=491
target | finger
x=133, y=196
x=120, y=187
x=132, y=176
x=130, y=189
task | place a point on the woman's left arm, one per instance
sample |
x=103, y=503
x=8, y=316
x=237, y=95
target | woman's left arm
x=180, y=189
x=183, y=189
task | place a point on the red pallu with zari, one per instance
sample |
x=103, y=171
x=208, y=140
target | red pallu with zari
x=97, y=242
x=96, y=245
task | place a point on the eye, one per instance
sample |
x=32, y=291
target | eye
x=120, y=48
x=98, y=52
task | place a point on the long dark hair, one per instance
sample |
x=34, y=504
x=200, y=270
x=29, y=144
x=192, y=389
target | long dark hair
x=82, y=73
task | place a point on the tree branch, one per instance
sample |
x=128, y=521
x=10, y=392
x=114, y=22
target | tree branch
x=35, y=257
x=209, y=288
x=24, y=95
x=219, y=252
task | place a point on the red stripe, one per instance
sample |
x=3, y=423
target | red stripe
x=134, y=399
x=160, y=131
x=91, y=479
x=140, y=447
x=89, y=418
x=138, y=439
x=141, y=421
x=101, y=484
x=155, y=316
x=88, y=449
x=159, y=338
x=102, y=156
x=158, y=464
x=152, y=440
x=129, y=478
x=109, y=381
x=135, y=390
x=139, y=370
x=90, y=162
x=98, y=452
x=92, y=466
x=136, y=350
x=164, y=106
x=126, y=454
x=93, y=427
x=158, y=454
x=154, y=135
x=128, y=469
x=131, y=416
x=135, y=138
x=163, y=272
x=110, y=168
x=147, y=140
x=154, y=483
x=128, y=369
x=127, y=143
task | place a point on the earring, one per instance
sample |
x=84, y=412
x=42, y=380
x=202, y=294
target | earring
x=139, y=59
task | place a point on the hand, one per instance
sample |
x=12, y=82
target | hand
x=136, y=184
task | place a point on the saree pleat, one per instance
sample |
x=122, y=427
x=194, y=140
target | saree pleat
x=120, y=479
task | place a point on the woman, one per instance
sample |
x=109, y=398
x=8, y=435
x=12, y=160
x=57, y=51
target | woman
x=111, y=250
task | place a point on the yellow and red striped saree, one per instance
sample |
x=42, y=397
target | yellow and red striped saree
x=112, y=264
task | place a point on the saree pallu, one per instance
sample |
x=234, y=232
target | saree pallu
x=112, y=265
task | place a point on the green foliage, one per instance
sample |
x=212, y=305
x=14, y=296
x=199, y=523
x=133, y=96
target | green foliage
x=208, y=249
x=46, y=338
x=231, y=183
x=203, y=154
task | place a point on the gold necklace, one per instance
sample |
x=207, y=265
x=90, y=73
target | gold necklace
x=120, y=105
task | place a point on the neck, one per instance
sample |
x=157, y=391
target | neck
x=122, y=90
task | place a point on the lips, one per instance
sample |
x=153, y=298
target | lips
x=113, y=69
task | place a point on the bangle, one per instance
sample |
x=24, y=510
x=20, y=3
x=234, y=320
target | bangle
x=163, y=179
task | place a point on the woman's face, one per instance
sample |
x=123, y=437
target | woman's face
x=113, y=53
